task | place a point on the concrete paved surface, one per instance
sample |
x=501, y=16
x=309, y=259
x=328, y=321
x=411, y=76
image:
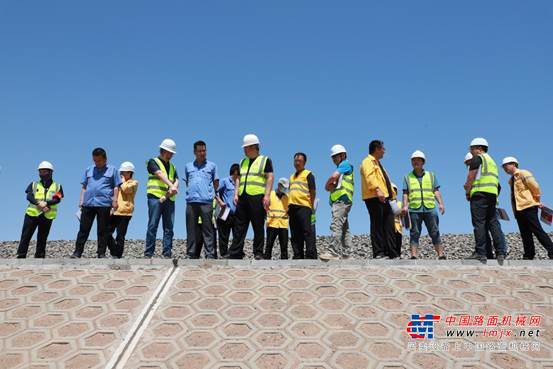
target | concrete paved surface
x=143, y=314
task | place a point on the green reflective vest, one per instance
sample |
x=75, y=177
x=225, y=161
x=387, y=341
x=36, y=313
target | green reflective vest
x=489, y=177
x=253, y=177
x=157, y=187
x=346, y=188
x=419, y=195
x=41, y=194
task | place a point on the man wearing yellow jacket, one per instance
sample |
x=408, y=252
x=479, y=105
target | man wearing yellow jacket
x=277, y=220
x=526, y=200
x=376, y=189
x=301, y=208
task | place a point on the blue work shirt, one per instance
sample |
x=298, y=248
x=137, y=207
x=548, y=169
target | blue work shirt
x=422, y=208
x=226, y=193
x=199, y=180
x=100, y=183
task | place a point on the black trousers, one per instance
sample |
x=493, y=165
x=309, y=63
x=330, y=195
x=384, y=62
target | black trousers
x=383, y=238
x=224, y=227
x=194, y=244
x=301, y=231
x=399, y=241
x=530, y=226
x=484, y=219
x=30, y=224
x=249, y=210
x=272, y=234
x=88, y=213
x=119, y=223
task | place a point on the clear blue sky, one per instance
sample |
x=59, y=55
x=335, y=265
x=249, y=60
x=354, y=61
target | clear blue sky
x=303, y=75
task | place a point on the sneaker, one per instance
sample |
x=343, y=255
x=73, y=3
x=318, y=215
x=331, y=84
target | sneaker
x=102, y=256
x=475, y=256
x=258, y=257
x=380, y=256
x=166, y=256
x=345, y=257
x=413, y=258
x=147, y=256
x=442, y=257
x=327, y=256
x=75, y=256
x=500, y=259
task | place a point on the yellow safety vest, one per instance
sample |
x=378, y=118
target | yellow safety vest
x=157, y=187
x=421, y=195
x=346, y=188
x=252, y=178
x=277, y=216
x=397, y=220
x=489, y=177
x=41, y=194
x=299, y=189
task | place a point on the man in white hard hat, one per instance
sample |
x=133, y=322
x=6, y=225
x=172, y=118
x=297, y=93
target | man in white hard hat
x=252, y=198
x=526, y=200
x=341, y=188
x=301, y=209
x=99, y=194
x=162, y=188
x=202, y=182
x=120, y=219
x=482, y=190
x=377, y=192
x=421, y=191
x=489, y=245
x=277, y=220
x=43, y=196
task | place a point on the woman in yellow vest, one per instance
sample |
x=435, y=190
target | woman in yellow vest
x=44, y=197
x=300, y=209
x=122, y=216
x=277, y=220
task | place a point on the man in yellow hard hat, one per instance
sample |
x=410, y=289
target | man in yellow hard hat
x=43, y=196
x=277, y=220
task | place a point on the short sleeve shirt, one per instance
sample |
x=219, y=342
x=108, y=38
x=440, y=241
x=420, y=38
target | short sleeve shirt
x=100, y=183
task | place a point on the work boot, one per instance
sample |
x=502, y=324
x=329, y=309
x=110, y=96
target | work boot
x=500, y=259
x=475, y=256
x=327, y=256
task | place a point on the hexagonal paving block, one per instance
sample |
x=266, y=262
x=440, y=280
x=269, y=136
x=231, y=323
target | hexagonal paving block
x=73, y=329
x=241, y=297
x=352, y=360
x=385, y=350
x=28, y=339
x=373, y=329
x=99, y=339
x=126, y=304
x=342, y=339
x=204, y=320
x=176, y=312
x=270, y=339
x=239, y=312
x=54, y=350
x=311, y=351
x=237, y=330
x=271, y=361
x=303, y=312
x=305, y=329
x=199, y=339
x=234, y=350
x=158, y=350
x=113, y=320
x=9, y=328
x=168, y=329
x=192, y=360
x=271, y=320
x=83, y=360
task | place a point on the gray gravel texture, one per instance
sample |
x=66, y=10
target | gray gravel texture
x=457, y=246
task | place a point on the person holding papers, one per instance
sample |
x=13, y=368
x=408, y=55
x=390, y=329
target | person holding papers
x=526, y=200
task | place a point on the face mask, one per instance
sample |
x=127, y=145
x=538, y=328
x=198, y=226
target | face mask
x=46, y=177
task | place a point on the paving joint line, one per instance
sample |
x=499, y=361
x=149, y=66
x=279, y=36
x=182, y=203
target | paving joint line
x=121, y=356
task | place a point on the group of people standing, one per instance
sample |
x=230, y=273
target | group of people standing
x=216, y=208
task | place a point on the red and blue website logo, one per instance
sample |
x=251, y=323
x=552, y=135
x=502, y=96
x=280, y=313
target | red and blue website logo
x=422, y=326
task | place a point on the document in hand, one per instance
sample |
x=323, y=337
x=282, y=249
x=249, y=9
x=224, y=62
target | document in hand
x=546, y=215
x=78, y=214
x=503, y=214
x=406, y=221
x=223, y=214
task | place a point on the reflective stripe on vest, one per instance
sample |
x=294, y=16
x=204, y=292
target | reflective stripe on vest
x=277, y=216
x=489, y=177
x=40, y=194
x=419, y=195
x=346, y=188
x=156, y=186
x=253, y=177
x=299, y=189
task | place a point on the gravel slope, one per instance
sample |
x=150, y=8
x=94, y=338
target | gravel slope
x=457, y=246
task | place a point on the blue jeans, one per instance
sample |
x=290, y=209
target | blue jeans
x=157, y=211
x=431, y=221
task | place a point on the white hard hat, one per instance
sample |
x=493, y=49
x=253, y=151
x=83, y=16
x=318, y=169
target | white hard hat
x=468, y=157
x=509, y=160
x=394, y=185
x=337, y=149
x=284, y=183
x=479, y=141
x=169, y=145
x=126, y=166
x=46, y=165
x=418, y=154
x=249, y=140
